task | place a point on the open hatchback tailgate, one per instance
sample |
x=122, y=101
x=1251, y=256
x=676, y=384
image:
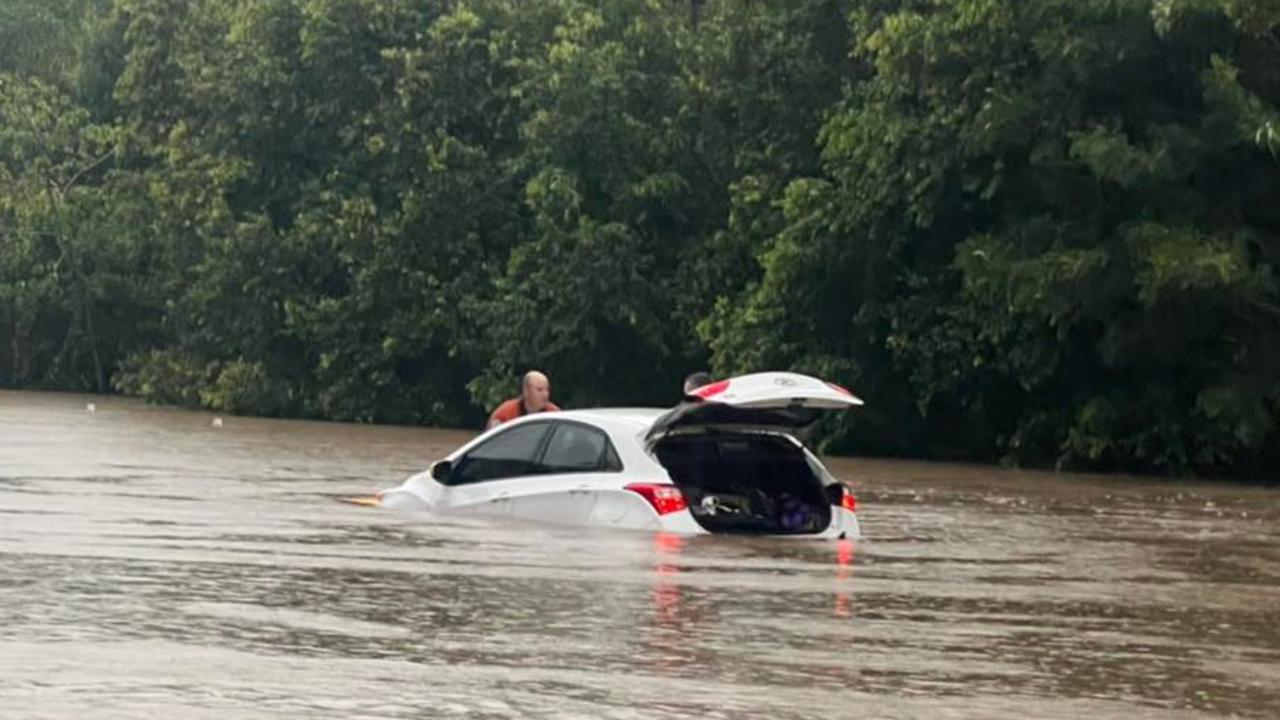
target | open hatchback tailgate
x=779, y=401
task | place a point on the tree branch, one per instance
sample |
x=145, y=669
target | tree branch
x=62, y=192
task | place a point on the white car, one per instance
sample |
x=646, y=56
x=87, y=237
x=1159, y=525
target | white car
x=728, y=460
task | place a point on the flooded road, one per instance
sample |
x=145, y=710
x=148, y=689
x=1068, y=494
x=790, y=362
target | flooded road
x=153, y=565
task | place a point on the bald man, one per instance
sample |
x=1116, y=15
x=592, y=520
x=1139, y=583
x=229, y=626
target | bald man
x=535, y=397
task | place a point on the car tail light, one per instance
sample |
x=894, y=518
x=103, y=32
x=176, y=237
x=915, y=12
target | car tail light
x=839, y=388
x=847, y=500
x=714, y=388
x=664, y=497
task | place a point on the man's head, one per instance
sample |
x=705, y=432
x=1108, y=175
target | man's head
x=695, y=381
x=535, y=390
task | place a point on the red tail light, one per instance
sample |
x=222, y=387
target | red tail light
x=664, y=497
x=714, y=388
x=848, y=501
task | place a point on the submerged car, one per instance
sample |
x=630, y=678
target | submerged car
x=727, y=460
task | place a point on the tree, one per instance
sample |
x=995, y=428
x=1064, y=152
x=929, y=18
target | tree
x=59, y=267
x=1051, y=216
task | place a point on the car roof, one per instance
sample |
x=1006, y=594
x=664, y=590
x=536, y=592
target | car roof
x=640, y=417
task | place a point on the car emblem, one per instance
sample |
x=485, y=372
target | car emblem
x=785, y=382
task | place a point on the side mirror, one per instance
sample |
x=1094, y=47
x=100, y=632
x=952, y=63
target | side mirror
x=440, y=470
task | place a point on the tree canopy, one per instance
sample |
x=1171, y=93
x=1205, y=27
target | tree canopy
x=1042, y=233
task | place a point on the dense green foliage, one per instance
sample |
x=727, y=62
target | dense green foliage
x=1038, y=232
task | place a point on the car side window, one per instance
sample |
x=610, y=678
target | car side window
x=509, y=453
x=579, y=448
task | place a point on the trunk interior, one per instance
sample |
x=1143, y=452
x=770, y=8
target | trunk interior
x=746, y=483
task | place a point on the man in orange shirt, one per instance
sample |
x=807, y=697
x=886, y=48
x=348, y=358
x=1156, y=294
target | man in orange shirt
x=535, y=397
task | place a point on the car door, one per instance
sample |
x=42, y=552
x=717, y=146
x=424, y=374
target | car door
x=577, y=458
x=483, y=479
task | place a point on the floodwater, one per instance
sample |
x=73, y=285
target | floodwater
x=153, y=564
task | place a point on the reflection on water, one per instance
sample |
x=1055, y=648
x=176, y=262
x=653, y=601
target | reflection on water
x=844, y=571
x=666, y=640
x=153, y=564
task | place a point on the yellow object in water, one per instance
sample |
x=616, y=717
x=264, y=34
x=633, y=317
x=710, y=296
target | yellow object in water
x=366, y=501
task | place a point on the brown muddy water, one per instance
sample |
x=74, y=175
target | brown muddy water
x=153, y=565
